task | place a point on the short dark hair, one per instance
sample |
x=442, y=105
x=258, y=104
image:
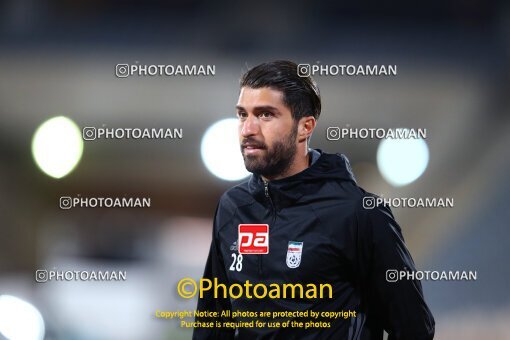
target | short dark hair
x=300, y=94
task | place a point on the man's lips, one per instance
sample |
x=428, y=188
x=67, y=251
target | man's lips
x=252, y=145
x=252, y=148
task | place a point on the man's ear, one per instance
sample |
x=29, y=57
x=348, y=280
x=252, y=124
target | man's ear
x=306, y=125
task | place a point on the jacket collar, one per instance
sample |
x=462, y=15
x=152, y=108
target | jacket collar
x=287, y=191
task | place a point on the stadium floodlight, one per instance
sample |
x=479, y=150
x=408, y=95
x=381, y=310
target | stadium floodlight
x=57, y=146
x=221, y=152
x=402, y=161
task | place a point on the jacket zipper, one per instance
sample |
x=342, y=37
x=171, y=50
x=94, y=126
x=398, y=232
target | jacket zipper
x=273, y=211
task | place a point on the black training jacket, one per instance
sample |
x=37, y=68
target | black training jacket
x=343, y=244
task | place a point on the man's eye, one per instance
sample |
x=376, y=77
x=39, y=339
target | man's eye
x=266, y=114
x=241, y=114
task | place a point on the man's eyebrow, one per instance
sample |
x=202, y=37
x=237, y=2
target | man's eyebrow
x=260, y=108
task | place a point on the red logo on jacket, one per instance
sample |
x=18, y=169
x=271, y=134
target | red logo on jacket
x=253, y=239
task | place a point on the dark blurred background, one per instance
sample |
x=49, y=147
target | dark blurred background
x=58, y=58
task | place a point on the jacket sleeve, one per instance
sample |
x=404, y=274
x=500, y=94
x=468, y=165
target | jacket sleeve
x=399, y=305
x=214, y=268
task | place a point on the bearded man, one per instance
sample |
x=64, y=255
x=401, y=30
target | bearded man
x=300, y=220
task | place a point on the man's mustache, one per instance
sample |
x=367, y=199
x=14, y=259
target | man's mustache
x=251, y=142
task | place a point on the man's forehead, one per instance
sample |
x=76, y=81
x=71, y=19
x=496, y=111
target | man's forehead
x=264, y=96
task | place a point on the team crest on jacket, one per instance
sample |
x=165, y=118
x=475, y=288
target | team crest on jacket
x=294, y=251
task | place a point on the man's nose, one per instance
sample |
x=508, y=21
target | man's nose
x=249, y=127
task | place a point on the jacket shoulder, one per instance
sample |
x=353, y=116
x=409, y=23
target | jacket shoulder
x=235, y=197
x=230, y=201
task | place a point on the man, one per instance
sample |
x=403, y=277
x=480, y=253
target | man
x=319, y=232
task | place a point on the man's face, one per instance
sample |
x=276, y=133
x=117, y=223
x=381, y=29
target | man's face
x=267, y=131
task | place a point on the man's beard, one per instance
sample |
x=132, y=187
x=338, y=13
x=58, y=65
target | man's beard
x=277, y=160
